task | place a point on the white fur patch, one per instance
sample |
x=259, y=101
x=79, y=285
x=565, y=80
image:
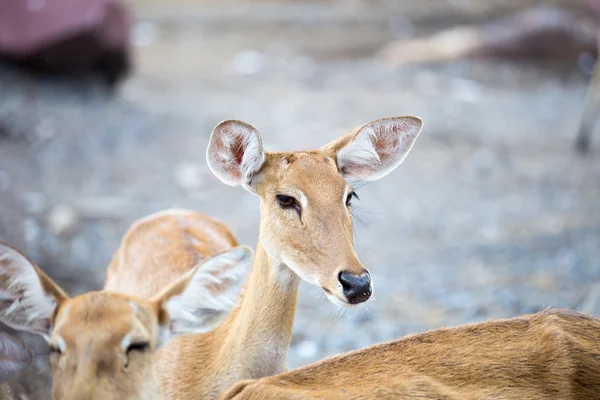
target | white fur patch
x=126, y=342
x=61, y=344
x=298, y=270
x=24, y=304
x=254, y=156
x=163, y=336
x=302, y=198
x=360, y=151
x=273, y=354
x=198, y=309
x=338, y=302
x=286, y=277
x=378, y=148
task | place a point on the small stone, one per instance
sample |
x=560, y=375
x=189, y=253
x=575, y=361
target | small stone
x=586, y=63
x=62, y=219
x=188, y=176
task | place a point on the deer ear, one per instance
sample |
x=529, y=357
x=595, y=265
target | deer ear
x=15, y=356
x=235, y=152
x=28, y=297
x=371, y=151
x=200, y=300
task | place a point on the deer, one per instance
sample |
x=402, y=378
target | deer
x=15, y=358
x=553, y=354
x=102, y=343
x=305, y=233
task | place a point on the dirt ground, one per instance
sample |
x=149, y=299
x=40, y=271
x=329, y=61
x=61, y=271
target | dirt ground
x=492, y=215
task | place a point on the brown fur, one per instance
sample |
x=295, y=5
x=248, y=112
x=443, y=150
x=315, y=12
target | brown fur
x=554, y=354
x=93, y=326
x=162, y=247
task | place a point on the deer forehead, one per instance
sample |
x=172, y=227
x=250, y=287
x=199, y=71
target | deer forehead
x=104, y=318
x=312, y=174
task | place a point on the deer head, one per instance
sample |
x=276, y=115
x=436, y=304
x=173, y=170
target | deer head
x=306, y=196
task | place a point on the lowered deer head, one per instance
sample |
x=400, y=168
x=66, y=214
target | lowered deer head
x=102, y=343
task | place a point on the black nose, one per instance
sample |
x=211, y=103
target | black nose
x=357, y=289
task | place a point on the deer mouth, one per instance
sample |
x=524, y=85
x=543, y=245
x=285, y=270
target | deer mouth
x=337, y=300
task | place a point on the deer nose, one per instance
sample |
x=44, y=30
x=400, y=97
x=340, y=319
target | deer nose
x=357, y=288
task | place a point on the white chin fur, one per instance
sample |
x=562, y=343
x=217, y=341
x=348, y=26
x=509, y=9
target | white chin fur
x=298, y=271
x=338, y=302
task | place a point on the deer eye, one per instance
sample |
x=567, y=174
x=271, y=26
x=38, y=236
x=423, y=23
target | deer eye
x=349, y=198
x=286, y=201
x=141, y=347
x=54, y=349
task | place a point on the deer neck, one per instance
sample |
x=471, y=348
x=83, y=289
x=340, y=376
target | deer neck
x=259, y=334
x=151, y=388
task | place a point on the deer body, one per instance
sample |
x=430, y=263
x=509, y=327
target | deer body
x=553, y=354
x=305, y=233
x=162, y=247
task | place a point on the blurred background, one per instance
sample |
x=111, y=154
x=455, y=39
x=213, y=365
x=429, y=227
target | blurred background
x=105, y=116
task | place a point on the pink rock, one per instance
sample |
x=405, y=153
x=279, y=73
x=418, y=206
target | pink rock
x=66, y=35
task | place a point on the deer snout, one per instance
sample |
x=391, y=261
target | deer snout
x=356, y=288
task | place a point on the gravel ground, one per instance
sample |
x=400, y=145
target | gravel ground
x=492, y=215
